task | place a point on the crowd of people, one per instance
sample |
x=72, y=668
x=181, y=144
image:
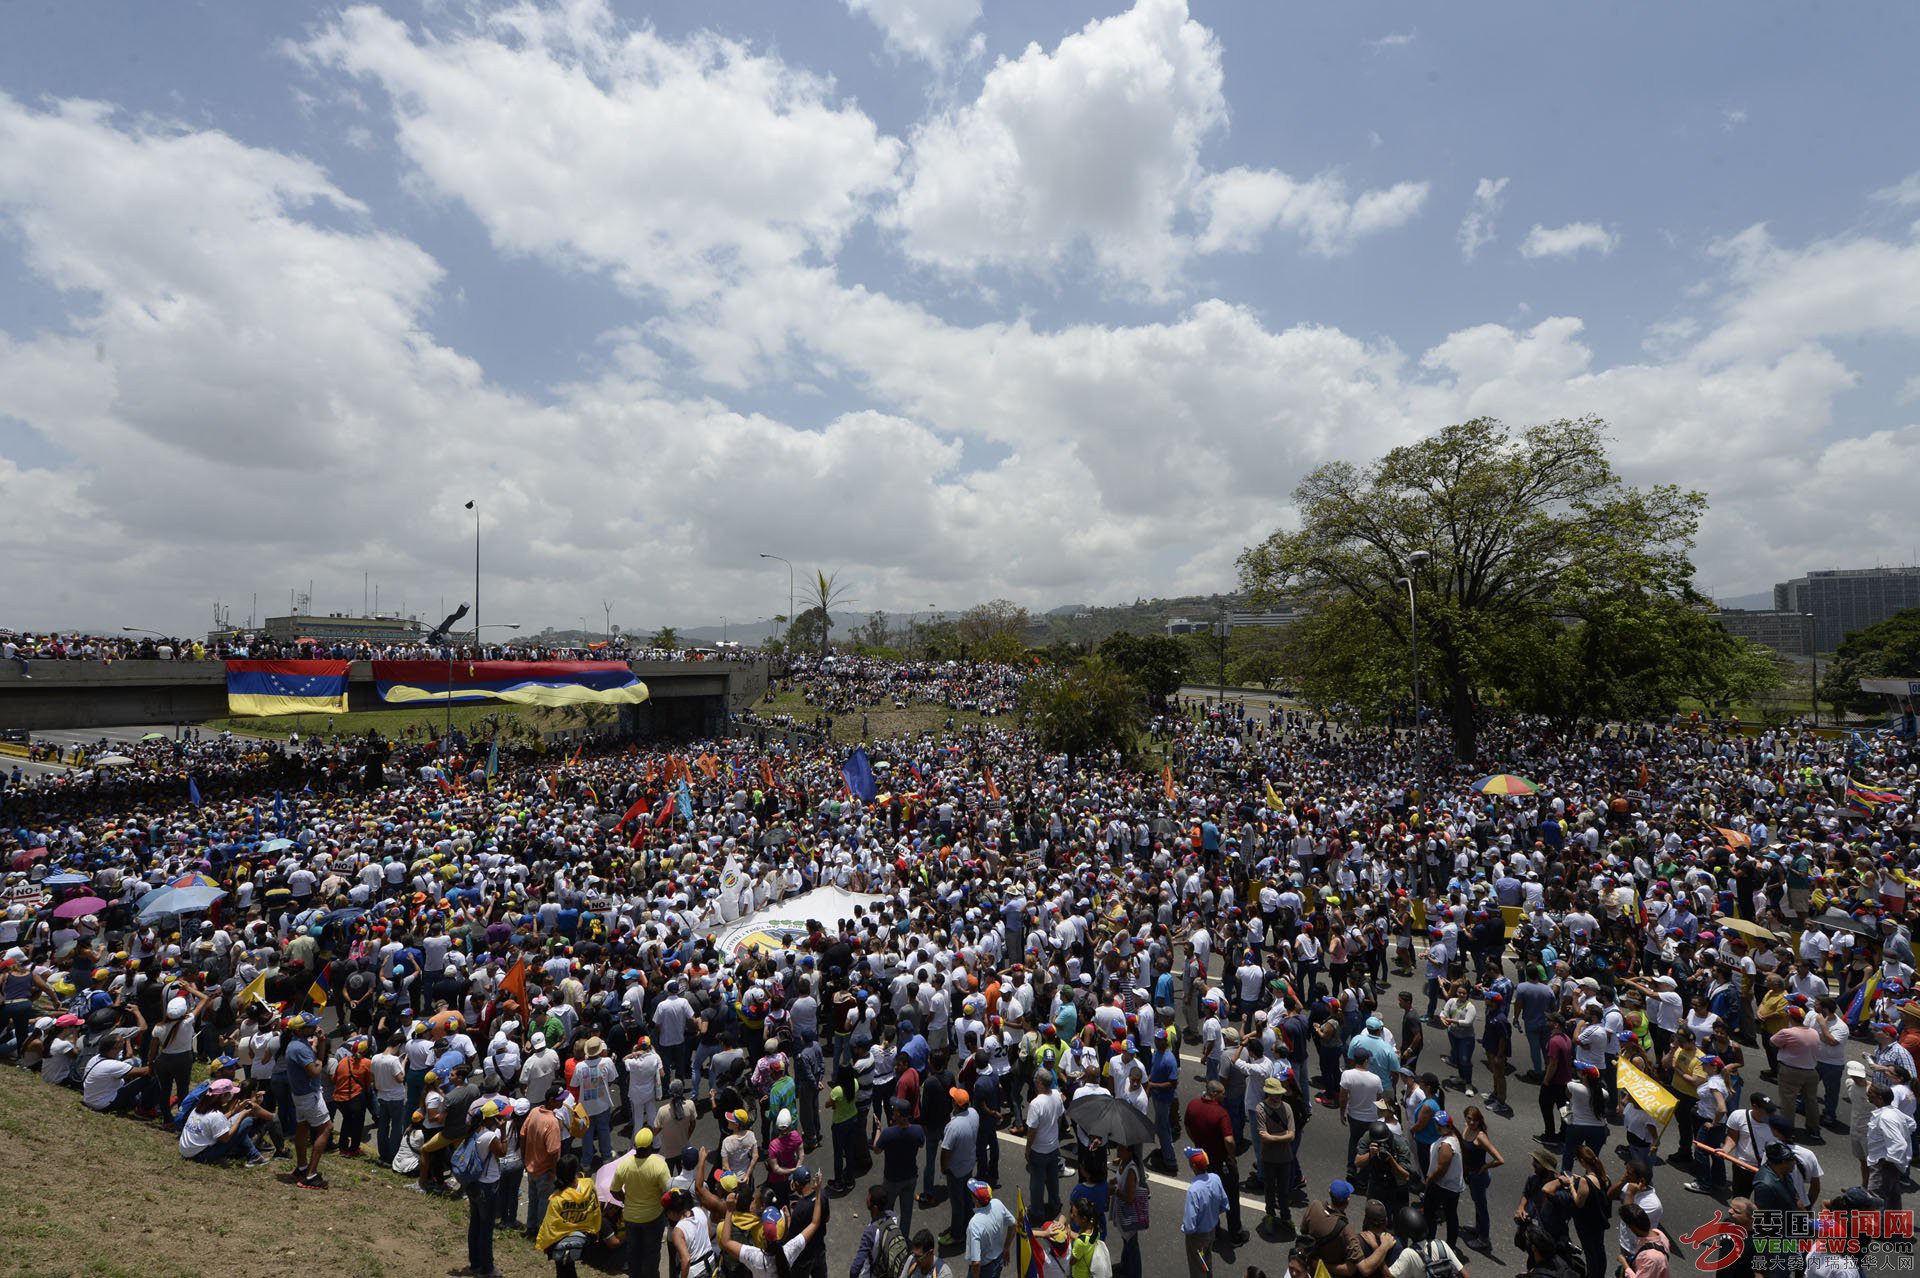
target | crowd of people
x=843, y=684
x=512, y=987
x=22, y=649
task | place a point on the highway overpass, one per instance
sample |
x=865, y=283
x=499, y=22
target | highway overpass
x=685, y=698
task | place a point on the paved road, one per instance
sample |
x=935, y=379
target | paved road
x=1324, y=1159
x=67, y=738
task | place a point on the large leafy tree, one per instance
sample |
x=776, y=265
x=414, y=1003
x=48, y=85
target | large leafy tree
x=1087, y=707
x=1531, y=536
x=1887, y=649
x=994, y=631
x=1157, y=663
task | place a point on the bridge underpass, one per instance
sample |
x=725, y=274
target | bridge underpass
x=685, y=698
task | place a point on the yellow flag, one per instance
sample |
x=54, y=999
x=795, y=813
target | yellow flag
x=256, y=989
x=1646, y=1093
x=317, y=994
x=1274, y=800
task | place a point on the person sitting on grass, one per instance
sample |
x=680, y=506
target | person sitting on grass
x=114, y=1082
x=221, y=1126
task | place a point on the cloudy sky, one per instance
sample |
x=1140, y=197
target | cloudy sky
x=959, y=298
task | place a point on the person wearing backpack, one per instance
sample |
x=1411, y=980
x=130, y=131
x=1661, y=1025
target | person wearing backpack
x=476, y=1165
x=1420, y=1256
x=1648, y=1257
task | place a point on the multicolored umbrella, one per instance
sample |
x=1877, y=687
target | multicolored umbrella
x=192, y=881
x=1505, y=783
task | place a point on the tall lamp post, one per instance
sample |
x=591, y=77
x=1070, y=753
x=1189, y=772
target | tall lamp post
x=476, y=576
x=789, y=563
x=1221, y=631
x=1415, y=562
x=1813, y=655
x=446, y=742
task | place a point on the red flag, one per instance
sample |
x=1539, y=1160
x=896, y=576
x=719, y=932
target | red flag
x=639, y=806
x=666, y=810
x=515, y=982
x=639, y=833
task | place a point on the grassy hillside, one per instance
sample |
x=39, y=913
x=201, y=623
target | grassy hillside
x=100, y=1197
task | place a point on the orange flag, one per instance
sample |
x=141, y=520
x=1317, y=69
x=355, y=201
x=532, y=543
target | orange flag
x=515, y=982
x=993, y=791
x=710, y=766
x=1166, y=779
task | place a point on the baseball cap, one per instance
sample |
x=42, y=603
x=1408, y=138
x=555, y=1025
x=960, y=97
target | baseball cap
x=222, y=1087
x=1339, y=1191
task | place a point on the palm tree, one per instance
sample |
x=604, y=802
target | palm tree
x=666, y=637
x=826, y=594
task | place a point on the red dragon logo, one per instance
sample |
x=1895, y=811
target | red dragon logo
x=1720, y=1242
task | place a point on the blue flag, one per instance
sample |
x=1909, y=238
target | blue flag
x=193, y=792
x=279, y=811
x=858, y=774
x=686, y=801
x=493, y=758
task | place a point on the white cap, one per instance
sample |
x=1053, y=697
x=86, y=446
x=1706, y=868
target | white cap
x=176, y=1008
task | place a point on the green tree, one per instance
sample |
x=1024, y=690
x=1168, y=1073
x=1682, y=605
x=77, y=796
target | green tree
x=1887, y=649
x=808, y=631
x=1157, y=663
x=873, y=632
x=825, y=593
x=1527, y=533
x=666, y=637
x=995, y=631
x=1088, y=707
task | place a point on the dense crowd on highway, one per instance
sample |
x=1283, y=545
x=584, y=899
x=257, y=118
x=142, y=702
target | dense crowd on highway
x=22, y=649
x=513, y=989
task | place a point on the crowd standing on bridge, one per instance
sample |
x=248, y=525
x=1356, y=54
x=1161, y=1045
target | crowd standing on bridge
x=511, y=987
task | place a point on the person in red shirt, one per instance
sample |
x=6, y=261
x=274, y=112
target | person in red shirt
x=1210, y=1127
x=1559, y=1072
x=906, y=1083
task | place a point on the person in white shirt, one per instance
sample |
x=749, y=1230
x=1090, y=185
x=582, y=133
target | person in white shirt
x=537, y=1072
x=1359, y=1102
x=389, y=1100
x=221, y=1126
x=1889, y=1145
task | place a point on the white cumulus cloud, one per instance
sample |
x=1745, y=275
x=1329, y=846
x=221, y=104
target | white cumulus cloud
x=1095, y=146
x=1476, y=228
x=923, y=29
x=1565, y=241
x=680, y=165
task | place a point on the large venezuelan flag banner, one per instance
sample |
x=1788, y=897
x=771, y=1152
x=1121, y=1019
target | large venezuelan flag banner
x=286, y=687
x=530, y=683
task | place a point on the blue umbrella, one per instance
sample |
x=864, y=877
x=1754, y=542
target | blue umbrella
x=68, y=879
x=178, y=901
x=276, y=845
x=340, y=916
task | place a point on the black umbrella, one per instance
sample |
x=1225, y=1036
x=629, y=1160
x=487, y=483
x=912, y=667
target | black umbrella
x=1116, y=1121
x=1847, y=923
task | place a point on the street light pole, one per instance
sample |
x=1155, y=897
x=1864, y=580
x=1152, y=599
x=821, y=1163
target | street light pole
x=476, y=576
x=1415, y=562
x=1220, y=631
x=1813, y=656
x=789, y=563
